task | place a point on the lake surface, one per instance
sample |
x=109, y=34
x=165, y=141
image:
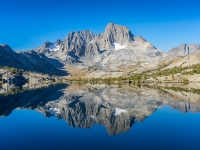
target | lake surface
x=100, y=117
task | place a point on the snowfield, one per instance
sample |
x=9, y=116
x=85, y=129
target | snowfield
x=54, y=47
x=118, y=46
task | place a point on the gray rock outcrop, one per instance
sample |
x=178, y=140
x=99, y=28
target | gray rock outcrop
x=184, y=49
x=75, y=42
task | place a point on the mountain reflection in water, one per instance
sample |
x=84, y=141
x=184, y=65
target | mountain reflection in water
x=115, y=108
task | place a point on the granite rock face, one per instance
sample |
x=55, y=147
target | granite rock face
x=49, y=47
x=118, y=34
x=76, y=41
x=184, y=49
x=111, y=50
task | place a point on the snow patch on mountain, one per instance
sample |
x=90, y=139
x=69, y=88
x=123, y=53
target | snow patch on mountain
x=54, y=47
x=118, y=46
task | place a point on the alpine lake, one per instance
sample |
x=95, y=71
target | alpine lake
x=100, y=117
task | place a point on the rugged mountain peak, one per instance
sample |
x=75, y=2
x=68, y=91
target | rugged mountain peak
x=46, y=44
x=194, y=46
x=139, y=39
x=184, y=49
x=49, y=47
x=113, y=49
x=58, y=41
x=75, y=41
x=115, y=33
x=80, y=37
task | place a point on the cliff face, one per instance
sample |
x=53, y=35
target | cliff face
x=184, y=49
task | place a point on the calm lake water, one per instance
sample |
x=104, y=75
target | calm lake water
x=100, y=117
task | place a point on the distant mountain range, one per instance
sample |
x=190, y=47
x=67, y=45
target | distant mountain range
x=113, y=53
x=28, y=60
x=184, y=49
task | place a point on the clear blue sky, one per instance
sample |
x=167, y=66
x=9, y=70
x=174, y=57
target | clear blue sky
x=26, y=24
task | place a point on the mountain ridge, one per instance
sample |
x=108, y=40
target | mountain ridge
x=83, y=49
x=113, y=53
x=27, y=60
x=184, y=49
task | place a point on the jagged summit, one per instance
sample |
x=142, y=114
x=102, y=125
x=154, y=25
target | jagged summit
x=113, y=53
x=118, y=34
x=113, y=25
x=49, y=47
x=116, y=49
x=75, y=41
x=58, y=41
x=115, y=37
